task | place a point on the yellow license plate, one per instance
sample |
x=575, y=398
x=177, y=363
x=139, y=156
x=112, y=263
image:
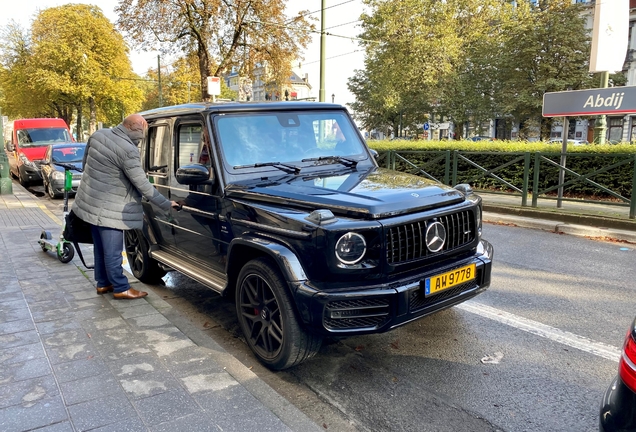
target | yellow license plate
x=447, y=280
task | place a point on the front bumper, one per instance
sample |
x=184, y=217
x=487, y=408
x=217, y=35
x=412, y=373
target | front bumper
x=30, y=174
x=380, y=308
x=618, y=408
x=58, y=186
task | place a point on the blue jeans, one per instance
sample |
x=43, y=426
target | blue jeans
x=107, y=251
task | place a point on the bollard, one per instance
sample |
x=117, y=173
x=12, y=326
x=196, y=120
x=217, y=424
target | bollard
x=6, y=185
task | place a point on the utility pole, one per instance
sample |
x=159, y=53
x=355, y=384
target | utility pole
x=600, y=127
x=159, y=79
x=321, y=93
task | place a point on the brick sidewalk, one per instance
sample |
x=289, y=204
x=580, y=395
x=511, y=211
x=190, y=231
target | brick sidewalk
x=71, y=360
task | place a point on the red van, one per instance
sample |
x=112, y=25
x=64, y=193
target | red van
x=29, y=140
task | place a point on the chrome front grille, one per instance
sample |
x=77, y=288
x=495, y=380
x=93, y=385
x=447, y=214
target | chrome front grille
x=407, y=242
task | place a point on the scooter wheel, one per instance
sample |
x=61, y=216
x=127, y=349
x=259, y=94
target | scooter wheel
x=68, y=252
x=44, y=235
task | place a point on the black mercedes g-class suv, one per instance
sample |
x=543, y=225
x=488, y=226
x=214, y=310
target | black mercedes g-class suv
x=285, y=208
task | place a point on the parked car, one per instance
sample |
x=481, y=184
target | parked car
x=29, y=140
x=301, y=226
x=53, y=175
x=481, y=138
x=618, y=407
x=570, y=141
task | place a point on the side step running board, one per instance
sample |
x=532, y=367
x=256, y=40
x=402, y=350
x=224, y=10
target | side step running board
x=210, y=278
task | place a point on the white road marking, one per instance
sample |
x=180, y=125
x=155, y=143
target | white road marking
x=563, y=337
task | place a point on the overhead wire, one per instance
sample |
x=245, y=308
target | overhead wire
x=319, y=10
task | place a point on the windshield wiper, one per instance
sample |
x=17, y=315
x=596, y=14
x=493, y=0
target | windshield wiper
x=288, y=168
x=348, y=162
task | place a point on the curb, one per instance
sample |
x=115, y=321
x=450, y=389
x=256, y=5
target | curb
x=563, y=217
x=561, y=227
x=286, y=411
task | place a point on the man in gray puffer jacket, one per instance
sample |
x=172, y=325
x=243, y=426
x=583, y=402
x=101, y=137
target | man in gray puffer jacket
x=109, y=198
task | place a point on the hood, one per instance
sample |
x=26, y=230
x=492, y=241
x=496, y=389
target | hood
x=370, y=194
x=34, y=153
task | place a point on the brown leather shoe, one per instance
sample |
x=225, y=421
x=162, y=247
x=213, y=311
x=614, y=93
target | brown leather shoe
x=130, y=294
x=104, y=290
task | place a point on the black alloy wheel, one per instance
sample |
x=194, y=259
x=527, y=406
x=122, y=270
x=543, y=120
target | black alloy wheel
x=143, y=267
x=267, y=317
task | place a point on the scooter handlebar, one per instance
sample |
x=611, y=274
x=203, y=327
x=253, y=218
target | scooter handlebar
x=68, y=166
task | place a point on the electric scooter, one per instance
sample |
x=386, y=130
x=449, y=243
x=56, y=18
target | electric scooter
x=63, y=248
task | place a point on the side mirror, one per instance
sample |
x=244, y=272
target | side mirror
x=374, y=153
x=194, y=174
x=10, y=147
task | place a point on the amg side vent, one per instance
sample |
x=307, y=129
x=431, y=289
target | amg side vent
x=356, y=314
x=407, y=242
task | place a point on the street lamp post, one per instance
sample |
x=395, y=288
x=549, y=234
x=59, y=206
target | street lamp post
x=333, y=96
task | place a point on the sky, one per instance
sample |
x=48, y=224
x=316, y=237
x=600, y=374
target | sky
x=342, y=58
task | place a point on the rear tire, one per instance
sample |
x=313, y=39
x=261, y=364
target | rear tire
x=268, y=319
x=45, y=235
x=68, y=252
x=143, y=267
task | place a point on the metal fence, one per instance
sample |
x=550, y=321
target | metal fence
x=527, y=186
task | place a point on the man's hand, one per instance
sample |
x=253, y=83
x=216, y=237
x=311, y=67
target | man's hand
x=175, y=205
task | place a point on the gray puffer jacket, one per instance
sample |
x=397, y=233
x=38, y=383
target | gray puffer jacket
x=114, y=182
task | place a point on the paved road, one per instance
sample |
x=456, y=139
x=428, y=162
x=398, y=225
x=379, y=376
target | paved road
x=554, y=318
x=551, y=324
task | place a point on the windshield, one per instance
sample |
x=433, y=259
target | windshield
x=252, y=139
x=36, y=137
x=68, y=154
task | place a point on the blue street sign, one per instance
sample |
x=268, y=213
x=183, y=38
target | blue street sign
x=426, y=126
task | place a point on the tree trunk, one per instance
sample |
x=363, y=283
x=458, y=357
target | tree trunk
x=79, y=132
x=92, y=125
x=204, y=69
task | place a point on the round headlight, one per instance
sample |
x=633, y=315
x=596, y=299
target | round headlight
x=350, y=248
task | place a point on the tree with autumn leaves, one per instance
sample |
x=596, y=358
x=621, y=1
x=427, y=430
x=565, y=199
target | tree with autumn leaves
x=221, y=34
x=467, y=60
x=73, y=61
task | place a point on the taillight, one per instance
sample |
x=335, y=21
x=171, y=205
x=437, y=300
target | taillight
x=627, y=364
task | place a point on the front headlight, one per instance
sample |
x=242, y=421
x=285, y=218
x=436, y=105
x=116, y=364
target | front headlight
x=26, y=161
x=57, y=175
x=350, y=248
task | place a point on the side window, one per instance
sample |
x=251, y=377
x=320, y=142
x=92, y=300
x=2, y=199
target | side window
x=158, y=149
x=192, y=148
x=158, y=156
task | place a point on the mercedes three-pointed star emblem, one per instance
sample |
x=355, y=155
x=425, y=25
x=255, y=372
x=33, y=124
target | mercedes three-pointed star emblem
x=435, y=236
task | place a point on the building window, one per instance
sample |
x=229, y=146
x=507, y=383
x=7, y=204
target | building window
x=615, y=130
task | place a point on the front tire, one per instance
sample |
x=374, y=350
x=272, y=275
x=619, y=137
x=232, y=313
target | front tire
x=68, y=252
x=143, y=267
x=267, y=317
x=51, y=192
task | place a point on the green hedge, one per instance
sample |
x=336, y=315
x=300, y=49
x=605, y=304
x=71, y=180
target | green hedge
x=431, y=157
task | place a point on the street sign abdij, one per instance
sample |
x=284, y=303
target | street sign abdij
x=615, y=100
